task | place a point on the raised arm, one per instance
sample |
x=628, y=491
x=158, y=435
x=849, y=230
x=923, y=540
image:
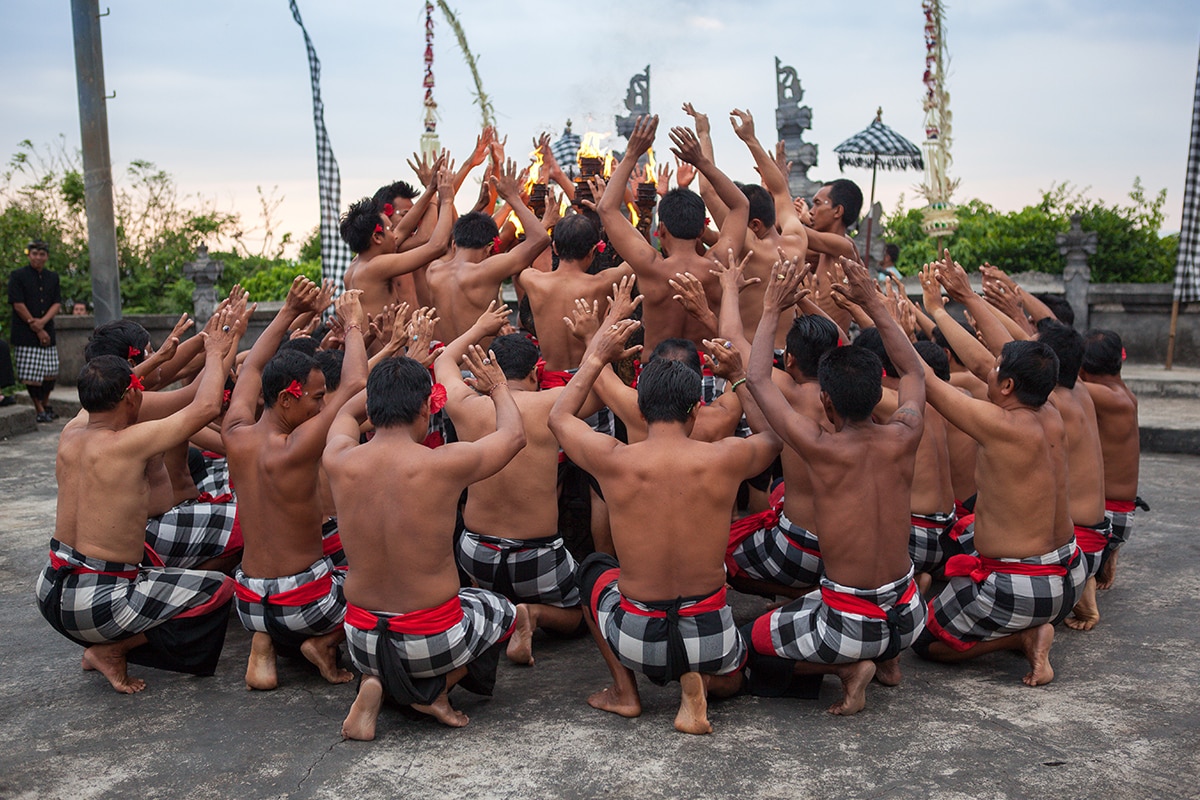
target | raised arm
x=712, y=201
x=774, y=181
x=630, y=244
x=733, y=280
x=505, y=265
x=446, y=368
x=488, y=455
x=969, y=350
x=954, y=279
x=733, y=228
x=390, y=265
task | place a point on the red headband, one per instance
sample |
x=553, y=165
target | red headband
x=295, y=389
x=136, y=383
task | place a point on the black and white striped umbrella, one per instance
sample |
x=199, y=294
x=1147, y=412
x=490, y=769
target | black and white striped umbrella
x=878, y=146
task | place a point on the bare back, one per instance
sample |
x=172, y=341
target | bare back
x=764, y=253
x=1117, y=421
x=1085, y=459
x=552, y=296
x=662, y=316
x=798, y=501
x=459, y=293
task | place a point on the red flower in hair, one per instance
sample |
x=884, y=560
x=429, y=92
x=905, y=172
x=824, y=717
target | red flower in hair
x=134, y=352
x=437, y=398
x=225, y=396
x=295, y=389
x=378, y=228
x=388, y=210
x=136, y=383
x=496, y=244
x=1122, y=353
x=540, y=366
x=601, y=247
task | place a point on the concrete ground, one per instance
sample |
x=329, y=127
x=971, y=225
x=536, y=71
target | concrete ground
x=1121, y=718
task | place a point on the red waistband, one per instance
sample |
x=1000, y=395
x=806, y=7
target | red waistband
x=1119, y=506
x=302, y=595
x=553, y=378
x=978, y=568
x=714, y=602
x=423, y=622
x=211, y=454
x=853, y=604
x=209, y=497
x=961, y=526
x=331, y=544
x=58, y=563
x=1090, y=540
x=928, y=524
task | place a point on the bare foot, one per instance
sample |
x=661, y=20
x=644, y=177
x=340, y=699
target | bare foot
x=109, y=660
x=520, y=644
x=323, y=651
x=260, y=668
x=693, y=705
x=1108, y=571
x=1086, y=613
x=888, y=672
x=612, y=700
x=1035, y=643
x=360, y=722
x=443, y=712
x=855, y=678
x=86, y=666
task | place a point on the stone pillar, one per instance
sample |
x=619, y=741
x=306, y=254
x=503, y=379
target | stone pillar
x=791, y=121
x=204, y=272
x=1077, y=245
x=637, y=102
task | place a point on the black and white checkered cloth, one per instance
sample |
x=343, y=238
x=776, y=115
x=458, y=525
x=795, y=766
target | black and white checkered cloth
x=566, y=153
x=216, y=476
x=1122, y=526
x=98, y=608
x=968, y=611
x=335, y=255
x=929, y=543
x=1187, y=266
x=808, y=629
x=1092, y=556
x=787, y=554
x=661, y=640
x=191, y=533
x=525, y=571
x=292, y=624
x=487, y=620
x=877, y=145
x=35, y=364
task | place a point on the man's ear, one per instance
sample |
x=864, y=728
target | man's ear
x=1006, y=386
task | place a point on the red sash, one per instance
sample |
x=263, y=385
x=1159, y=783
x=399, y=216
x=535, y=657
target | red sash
x=961, y=526
x=1119, y=506
x=423, y=622
x=301, y=595
x=553, y=378
x=743, y=528
x=978, y=568
x=714, y=602
x=331, y=544
x=58, y=563
x=926, y=524
x=208, y=497
x=853, y=604
x=1090, y=540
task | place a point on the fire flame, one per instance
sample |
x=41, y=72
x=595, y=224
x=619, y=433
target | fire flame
x=633, y=215
x=535, y=170
x=589, y=147
x=651, y=167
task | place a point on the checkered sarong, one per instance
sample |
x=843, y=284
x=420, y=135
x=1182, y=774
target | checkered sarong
x=1120, y=517
x=523, y=570
x=842, y=624
x=662, y=640
x=115, y=601
x=290, y=623
x=487, y=619
x=971, y=610
x=335, y=255
x=1094, y=542
x=784, y=553
x=36, y=364
x=929, y=542
x=192, y=532
x=216, y=475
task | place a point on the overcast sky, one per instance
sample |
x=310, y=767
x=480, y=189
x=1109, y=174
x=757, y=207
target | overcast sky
x=1092, y=92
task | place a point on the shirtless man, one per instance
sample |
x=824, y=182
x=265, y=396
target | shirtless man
x=463, y=285
x=511, y=544
x=1117, y=417
x=1085, y=467
x=289, y=592
x=409, y=627
x=961, y=446
x=661, y=610
x=774, y=224
x=396, y=201
x=92, y=590
x=375, y=239
x=835, y=207
x=1028, y=571
x=868, y=609
x=681, y=223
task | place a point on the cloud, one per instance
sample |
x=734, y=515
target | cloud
x=706, y=23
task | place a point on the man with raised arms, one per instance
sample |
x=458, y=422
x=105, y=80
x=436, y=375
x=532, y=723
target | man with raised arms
x=288, y=591
x=411, y=630
x=661, y=610
x=92, y=590
x=1117, y=417
x=868, y=609
x=463, y=285
x=1024, y=570
x=835, y=207
x=374, y=238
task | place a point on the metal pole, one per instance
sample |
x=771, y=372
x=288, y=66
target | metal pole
x=871, y=211
x=97, y=166
x=1171, y=334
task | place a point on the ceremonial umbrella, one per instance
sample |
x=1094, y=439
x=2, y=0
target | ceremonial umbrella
x=1187, y=267
x=878, y=146
x=566, y=150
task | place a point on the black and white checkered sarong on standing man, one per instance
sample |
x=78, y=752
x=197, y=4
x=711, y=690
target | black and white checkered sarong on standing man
x=36, y=364
x=297, y=607
x=192, y=532
x=929, y=544
x=523, y=570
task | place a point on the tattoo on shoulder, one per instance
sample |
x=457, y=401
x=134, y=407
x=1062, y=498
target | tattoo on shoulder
x=909, y=412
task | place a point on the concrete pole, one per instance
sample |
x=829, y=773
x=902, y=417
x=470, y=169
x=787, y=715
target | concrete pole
x=97, y=166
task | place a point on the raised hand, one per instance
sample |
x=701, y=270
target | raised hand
x=349, y=309
x=783, y=287
x=685, y=173
x=687, y=146
x=553, y=209
x=622, y=303
x=781, y=161
x=733, y=275
x=487, y=373
x=690, y=294
x=743, y=124
x=492, y=320
x=609, y=342
x=662, y=183
x=422, y=165
x=803, y=211
x=953, y=278
x=506, y=182
x=584, y=320
x=857, y=285
x=724, y=359
x=301, y=296
x=642, y=137
x=702, y=124
x=418, y=336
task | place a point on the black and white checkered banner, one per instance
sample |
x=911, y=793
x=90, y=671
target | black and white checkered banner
x=335, y=255
x=1187, y=268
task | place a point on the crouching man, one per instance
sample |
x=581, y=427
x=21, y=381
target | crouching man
x=410, y=629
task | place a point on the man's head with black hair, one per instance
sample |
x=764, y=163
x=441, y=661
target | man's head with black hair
x=574, y=237
x=836, y=206
x=681, y=350
x=870, y=339
x=122, y=338
x=288, y=367
x=810, y=337
x=935, y=357
x=762, y=208
x=668, y=391
x=304, y=344
x=330, y=362
x=851, y=379
x=475, y=230
x=681, y=214
x=1059, y=307
x=516, y=355
x=399, y=195
x=1067, y=344
x=1102, y=352
x=891, y=252
x=361, y=222
x=1033, y=368
x=397, y=389
x=103, y=382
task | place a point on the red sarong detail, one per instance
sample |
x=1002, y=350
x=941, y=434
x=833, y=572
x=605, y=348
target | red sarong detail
x=58, y=563
x=423, y=622
x=219, y=598
x=331, y=544
x=978, y=568
x=208, y=497
x=154, y=558
x=760, y=635
x=714, y=602
x=211, y=454
x=944, y=636
x=1119, y=506
x=742, y=529
x=853, y=604
x=434, y=440
x=777, y=494
x=553, y=378
x=961, y=526
x=960, y=510
x=927, y=524
x=1090, y=540
x=236, y=540
x=301, y=595
x=606, y=578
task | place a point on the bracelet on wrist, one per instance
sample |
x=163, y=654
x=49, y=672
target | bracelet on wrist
x=497, y=386
x=734, y=386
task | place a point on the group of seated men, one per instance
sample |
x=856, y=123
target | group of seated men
x=393, y=485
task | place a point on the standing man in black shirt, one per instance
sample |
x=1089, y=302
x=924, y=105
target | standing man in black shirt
x=36, y=298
